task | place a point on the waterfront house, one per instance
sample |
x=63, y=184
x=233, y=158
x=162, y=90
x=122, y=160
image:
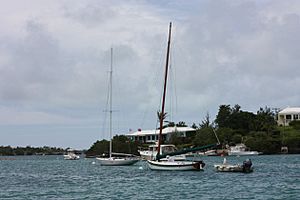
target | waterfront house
x=287, y=115
x=151, y=136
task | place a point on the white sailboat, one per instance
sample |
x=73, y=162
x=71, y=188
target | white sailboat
x=115, y=159
x=170, y=163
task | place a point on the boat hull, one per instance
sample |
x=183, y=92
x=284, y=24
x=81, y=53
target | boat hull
x=232, y=168
x=117, y=161
x=71, y=157
x=243, y=153
x=174, y=165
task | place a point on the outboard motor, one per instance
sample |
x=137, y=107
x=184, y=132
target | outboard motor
x=202, y=164
x=199, y=165
x=247, y=165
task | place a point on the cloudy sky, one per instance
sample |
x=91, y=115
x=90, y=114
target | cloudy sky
x=55, y=58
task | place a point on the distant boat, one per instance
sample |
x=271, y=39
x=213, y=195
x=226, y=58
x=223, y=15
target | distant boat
x=246, y=167
x=118, y=159
x=241, y=150
x=166, y=162
x=71, y=155
x=214, y=152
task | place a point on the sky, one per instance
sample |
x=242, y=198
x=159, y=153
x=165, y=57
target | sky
x=55, y=59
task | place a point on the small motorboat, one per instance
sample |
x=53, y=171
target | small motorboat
x=241, y=150
x=71, y=155
x=246, y=167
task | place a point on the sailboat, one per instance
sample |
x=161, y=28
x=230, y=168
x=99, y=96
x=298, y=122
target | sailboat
x=166, y=161
x=115, y=159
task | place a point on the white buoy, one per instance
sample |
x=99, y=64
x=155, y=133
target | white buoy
x=93, y=162
x=141, y=167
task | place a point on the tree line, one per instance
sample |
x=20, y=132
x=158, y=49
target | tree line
x=17, y=151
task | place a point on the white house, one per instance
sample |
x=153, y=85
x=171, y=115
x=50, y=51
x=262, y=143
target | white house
x=151, y=136
x=287, y=115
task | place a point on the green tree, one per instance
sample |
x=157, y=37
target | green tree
x=237, y=138
x=295, y=125
x=181, y=124
x=175, y=139
x=241, y=120
x=225, y=135
x=204, y=136
x=223, y=116
x=98, y=148
x=265, y=120
x=121, y=144
x=171, y=124
x=206, y=122
x=194, y=126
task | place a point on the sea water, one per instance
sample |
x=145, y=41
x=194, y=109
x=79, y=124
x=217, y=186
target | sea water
x=52, y=177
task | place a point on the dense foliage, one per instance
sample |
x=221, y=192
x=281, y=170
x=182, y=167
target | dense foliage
x=120, y=144
x=258, y=131
x=11, y=151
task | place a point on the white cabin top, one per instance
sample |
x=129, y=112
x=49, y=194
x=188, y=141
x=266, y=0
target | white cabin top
x=164, y=131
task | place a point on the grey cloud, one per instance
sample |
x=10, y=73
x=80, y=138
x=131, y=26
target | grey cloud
x=90, y=14
x=223, y=52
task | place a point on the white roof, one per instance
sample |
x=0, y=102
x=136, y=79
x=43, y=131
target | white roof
x=290, y=110
x=164, y=131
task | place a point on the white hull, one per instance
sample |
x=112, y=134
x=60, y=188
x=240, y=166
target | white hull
x=243, y=153
x=117, y=161
x=71, y=157
x=174, y=165
x=231, y=168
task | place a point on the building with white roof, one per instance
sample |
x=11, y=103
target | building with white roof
x=151, y=136
x=287, y=115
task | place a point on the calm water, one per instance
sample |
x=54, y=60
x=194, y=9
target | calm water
x=51, y=177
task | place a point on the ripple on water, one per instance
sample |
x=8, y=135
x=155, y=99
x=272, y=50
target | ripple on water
x=51, y=177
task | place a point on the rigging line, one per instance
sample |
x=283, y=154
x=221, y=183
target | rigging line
x=175, y=83
x=106, y=107
x=160, y=76
x=174, y=76
x=156, y=83
x=172, y=88
x=216, y=136
x=117, y=91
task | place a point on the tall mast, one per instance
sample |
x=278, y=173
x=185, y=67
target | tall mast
x=164, y=93
x=110, y=103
